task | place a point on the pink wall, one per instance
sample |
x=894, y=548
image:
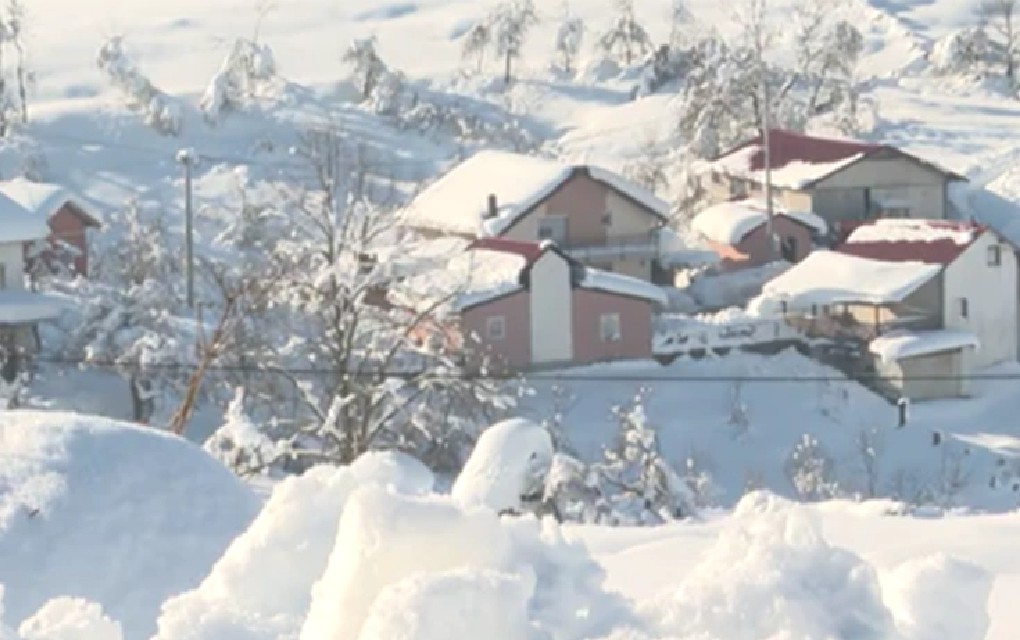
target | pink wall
x=68, y=227
x=755, y=249
x=635, y=323
x=515, y=349
x=583, y=201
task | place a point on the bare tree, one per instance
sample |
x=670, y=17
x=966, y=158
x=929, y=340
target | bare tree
x=627, y=38
x=477, y=39
x=16, y=36
x=1002, y=15
x=511, y=21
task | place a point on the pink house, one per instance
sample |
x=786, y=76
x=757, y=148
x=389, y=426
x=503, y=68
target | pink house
x=737, y=232
x=548, y=309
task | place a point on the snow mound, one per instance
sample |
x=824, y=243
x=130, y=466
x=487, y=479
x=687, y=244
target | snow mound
x=771, y=574
x=119, y=515
x=937, y=596
x=262, y=586
x=441, y=562
x=70, y=619
x=510, y=460
x=489, y=604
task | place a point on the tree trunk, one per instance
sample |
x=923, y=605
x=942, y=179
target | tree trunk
x=506, y=73
x=140, y=406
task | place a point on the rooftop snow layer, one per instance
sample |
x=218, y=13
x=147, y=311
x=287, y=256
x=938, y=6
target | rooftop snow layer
x=898, y=345
x=827, y=277
x=623, y=285
x=730, y=222
x=795, y=174
x=459, y=201
x=43, y=199
x=906, y=230
x=18, y=224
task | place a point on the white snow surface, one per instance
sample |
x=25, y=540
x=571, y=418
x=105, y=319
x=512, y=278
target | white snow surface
x=828, y=277
x=118, y=515
x=902, y=344
x=905, y=230
x=459, y=277
x=70, y=619
x=729, y=222
x=792, y=175
x=504, y=465
x=624, y=285
x=18, y=224
x=28, y=306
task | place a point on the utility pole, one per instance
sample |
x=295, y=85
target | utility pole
x=187, y=158
x=767, y=159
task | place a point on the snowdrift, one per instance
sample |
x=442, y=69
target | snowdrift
x=110, y=513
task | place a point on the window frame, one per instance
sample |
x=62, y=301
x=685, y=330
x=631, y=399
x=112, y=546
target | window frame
x=608, y=320
x=994, y=255
x=963, y=305
x=491, y=323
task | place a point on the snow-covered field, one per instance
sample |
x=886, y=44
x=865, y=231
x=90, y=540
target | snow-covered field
x=168, y=543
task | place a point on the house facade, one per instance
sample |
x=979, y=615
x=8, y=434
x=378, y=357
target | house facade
x=738, y=233
x=593, y=215
x=560, y=312
x=839, y=180
x=69, y=220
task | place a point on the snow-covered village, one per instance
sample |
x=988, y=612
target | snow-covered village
x=509, y=320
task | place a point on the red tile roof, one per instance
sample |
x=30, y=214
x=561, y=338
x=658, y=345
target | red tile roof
x=942, y=251
x=788, y=146
x=530, y=251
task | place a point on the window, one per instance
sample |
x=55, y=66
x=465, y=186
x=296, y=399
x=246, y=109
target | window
x=994, y=256
x=738, y=188
x=788, y=249
x=3, y=276
x=495, y=328
x=609, y=327
x=964, y=308
x=552, y=228
x=607, y=219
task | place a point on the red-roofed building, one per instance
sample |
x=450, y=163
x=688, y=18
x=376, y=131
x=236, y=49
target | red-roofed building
x=976, y=290
x=839, y=180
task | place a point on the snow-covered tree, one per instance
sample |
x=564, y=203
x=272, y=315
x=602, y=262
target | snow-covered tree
x=635, y=483
x=626, y=40
x=476, y=40
x=366, y=65
x=811, y=470
x=1002, y=15
x=968, y=50
x=160, y=111
x=569, y=37
x=649, y=168
x=679, y=17
x=15, y=36
x=246, y=71
x=510, y=22
x=239, y=444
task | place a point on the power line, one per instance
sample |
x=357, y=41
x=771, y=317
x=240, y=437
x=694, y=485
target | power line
x=565, y=376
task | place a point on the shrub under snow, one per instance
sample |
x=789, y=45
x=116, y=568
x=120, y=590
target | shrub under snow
x=245, y=71
x=70, y=619
x=159, y=110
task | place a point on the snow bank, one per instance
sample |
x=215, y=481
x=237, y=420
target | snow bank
x=261, y=588
x=897, y=345
x=119, y=515
x=771, y=574
x=827, y=277
x=937, y=597
x=509, y=460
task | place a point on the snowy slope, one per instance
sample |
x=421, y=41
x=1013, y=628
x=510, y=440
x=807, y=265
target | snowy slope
x=114, y=514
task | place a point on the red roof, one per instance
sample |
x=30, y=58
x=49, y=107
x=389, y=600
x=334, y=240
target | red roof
x=788, y=146
x=942, y=251
x=530, y=251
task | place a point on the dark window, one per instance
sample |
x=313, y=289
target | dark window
x=607, y=219
x=788, y=249
x=994, y=256
x=964, y=308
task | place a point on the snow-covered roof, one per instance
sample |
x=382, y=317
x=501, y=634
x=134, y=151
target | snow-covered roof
x=899, y=345
x=828, y=277
x=623, y=285
x=907, y=240
x=682, y=248
x=459, y=201
x=17, y=224
x=19, y=307
x=45, y=199
x=795, y=174
x=730, y=222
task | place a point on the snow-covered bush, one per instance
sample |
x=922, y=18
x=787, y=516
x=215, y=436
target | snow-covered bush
x=246, y=71
x=968, y=50
x=367, y=68
x=69, y=619
x=626, y=40
x=569, y=38
x=811, y=470
x=240, y=444
x=159, y=110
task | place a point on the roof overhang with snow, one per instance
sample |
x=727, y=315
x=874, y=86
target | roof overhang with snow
x=45, y=200
x=490, y=192
x=731, y=222
x=903, y=345
x=911, y=240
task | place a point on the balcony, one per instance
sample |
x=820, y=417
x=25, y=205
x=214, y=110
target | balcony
x=643, y=246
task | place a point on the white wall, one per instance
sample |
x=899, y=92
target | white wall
x=12, y=257
x=991, y=299
x=551, y=312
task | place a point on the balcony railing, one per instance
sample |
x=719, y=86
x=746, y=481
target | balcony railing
x=640, y=245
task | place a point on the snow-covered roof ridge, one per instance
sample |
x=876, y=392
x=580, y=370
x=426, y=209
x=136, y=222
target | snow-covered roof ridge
x=624, y=285
x=46, y=199
x=899, y=345
x=18, y=224
x=461, y=201
x=730, y=222
x=829, y=277
x=915, y=230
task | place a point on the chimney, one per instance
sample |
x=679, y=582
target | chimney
x=493, y=208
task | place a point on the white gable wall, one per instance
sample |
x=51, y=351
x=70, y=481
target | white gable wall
x=13, y=260
x=551, y=310
x=991, y=305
